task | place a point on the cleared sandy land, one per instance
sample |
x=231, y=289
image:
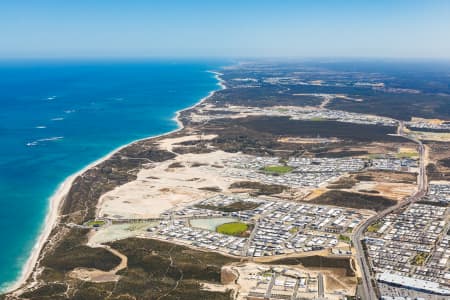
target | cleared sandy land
x=169, y=184
x=94, y=275
x=110, y=233
x=297, y=140
x=395, y=191
x=169, y=143
x=432, y=136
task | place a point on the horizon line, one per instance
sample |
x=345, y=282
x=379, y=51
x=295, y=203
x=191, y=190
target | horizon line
x=233, y=58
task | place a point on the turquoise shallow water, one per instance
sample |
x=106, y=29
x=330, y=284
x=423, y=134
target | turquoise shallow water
x=56, y=117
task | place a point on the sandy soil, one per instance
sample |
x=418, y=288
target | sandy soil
x=95, y=275
x=430, y=121
x=148, y=196
x=432, y=136
x=297, y=140
x=335, y=280
x=315, y=193
x=395, y=191
x=110, y=233
x=268, y=259
x=169, y=143
x=214, y=287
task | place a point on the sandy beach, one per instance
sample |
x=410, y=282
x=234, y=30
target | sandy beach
x=56, y=200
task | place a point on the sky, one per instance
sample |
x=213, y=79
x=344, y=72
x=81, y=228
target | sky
x=216, y=28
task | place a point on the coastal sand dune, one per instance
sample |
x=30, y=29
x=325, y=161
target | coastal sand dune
x=148, y=196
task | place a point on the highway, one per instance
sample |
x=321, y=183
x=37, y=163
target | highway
x=368, y=291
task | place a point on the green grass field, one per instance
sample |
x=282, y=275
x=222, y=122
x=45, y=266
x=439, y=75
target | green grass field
x=277, y=169
x=317, y=119
x=233, y=228
x=375, y=227
x=419, y=259
x=95, y=223
x=344, y=238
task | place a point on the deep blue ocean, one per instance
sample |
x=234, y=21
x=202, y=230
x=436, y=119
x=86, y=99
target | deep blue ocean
x=58, y=116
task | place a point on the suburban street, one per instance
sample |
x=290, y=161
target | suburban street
x=321, y=289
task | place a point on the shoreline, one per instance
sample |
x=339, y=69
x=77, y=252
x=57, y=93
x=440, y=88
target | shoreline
x=57, y=198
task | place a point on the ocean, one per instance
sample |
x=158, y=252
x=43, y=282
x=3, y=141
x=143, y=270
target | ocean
x=58, y=116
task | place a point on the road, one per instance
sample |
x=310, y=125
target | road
x=294, y=294
x=368, y=291
x=320, y=290
x=250, y=239
x=252, y=235
x=270, y=287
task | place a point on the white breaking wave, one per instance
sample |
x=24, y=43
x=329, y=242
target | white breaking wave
x=57, y=119
x=36, y=142
x=40, y=127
